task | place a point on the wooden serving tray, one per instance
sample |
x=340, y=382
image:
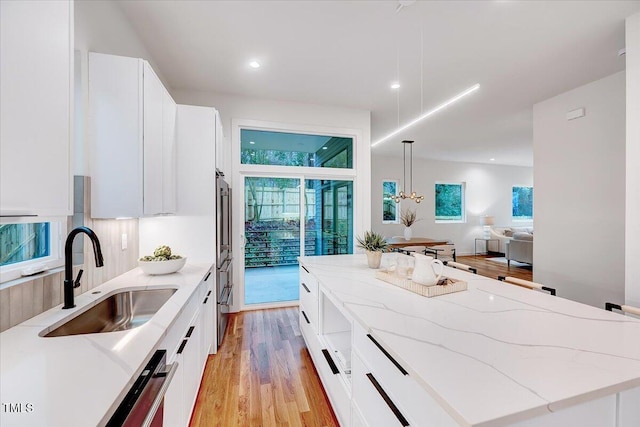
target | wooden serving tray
x=453, y=285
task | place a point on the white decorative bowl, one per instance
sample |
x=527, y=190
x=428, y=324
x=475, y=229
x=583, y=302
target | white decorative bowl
x=162, y=267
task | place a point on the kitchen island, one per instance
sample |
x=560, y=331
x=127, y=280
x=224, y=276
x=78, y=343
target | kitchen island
x=80, y=380
x=494, y=355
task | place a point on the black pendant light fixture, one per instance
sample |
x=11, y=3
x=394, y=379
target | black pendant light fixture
x=410, y=194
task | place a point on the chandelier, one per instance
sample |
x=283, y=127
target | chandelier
x=403, y=194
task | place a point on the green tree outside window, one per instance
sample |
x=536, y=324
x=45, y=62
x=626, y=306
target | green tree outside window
x=449, y=202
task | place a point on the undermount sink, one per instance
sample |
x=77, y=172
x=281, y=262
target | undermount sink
x=121, y=311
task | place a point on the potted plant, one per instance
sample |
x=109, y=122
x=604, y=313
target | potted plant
x=408, y=217
x=374, y=244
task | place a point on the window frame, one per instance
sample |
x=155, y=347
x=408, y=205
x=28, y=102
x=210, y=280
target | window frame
x=463, y=204
x=57, y=229
x=523, y=219
x=397, y=205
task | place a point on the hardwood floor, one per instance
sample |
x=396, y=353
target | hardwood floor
x=262, y=376
x=494, y=269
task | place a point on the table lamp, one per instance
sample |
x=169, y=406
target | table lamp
x=487, y=222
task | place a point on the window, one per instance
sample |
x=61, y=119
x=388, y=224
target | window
x=450, y=203
x=522, y=203
x=389, y=207
x=259, y=147
x=25, y=244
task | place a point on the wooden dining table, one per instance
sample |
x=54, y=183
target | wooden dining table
x=400, y=242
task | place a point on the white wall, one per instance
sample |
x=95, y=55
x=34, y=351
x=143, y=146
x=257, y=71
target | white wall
x=579, y=182
x=488, y=192
x=632, y=269
x=100, y=26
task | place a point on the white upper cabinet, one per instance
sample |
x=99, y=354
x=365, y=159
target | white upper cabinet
x=197, y=131
x=169, y=153
x=36, y=84
x=153, y=97
x=132, y=137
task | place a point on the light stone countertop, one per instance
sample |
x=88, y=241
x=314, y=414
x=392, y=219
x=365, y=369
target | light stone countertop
x=79, y=380
x=494, y=354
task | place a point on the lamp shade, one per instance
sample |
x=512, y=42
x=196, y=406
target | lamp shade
x=486, y=220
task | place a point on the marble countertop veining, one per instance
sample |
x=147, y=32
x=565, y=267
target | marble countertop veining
x=494, y=354
x=77, y=380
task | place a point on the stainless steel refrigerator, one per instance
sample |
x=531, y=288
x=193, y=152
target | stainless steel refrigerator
x=224, y=254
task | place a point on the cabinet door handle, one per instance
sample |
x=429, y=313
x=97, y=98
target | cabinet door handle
x=394, y=361
x=305, y=316
x=330, y=361
x=304, y=268
x=190, y=331
x=182, y=346
x=207, y=276
x=305, y=287
x=208, y=293
x=388, y=401
x=205, y=300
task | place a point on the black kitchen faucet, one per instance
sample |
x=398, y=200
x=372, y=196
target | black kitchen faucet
x=69, y=283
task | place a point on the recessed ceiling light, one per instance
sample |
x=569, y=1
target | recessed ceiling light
x=492, y=159
x=324, y=148
x=395, y=85
x=252, y=142
x=254, y=64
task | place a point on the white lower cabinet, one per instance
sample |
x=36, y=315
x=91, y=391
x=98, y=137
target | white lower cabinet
x=188, y=348
x=173, y=407
x=412, y=399
x=357, y=419
x=377, y=406
x=210, y=328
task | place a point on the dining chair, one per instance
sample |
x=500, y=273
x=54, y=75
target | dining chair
x=460, y=266
x=409, y=249
x=442, y=251
x=609, y=306
x=526, y=284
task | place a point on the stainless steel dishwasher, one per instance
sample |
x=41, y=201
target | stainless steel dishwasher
x=143, y=404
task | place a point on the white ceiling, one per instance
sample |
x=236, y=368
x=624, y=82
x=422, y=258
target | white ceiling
x=347, y=53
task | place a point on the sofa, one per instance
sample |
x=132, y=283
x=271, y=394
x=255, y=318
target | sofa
x=505, y=235
x=520, y=248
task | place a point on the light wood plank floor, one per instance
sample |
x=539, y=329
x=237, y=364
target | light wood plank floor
x=494, y=269
x=262, y=376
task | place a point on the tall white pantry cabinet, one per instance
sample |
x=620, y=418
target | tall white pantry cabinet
x=132, y=139
x=36, y=104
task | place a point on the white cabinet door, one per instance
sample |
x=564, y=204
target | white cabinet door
x=192, y=358
x=132, y=137
x=36, y=84
x=169, y=110
x=153, y=134
x=220, y=146
x=115, y=135
x=173, y=415
x=196, y=170
x=209, y=305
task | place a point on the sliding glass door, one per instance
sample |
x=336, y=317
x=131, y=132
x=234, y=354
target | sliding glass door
x=286, y=218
